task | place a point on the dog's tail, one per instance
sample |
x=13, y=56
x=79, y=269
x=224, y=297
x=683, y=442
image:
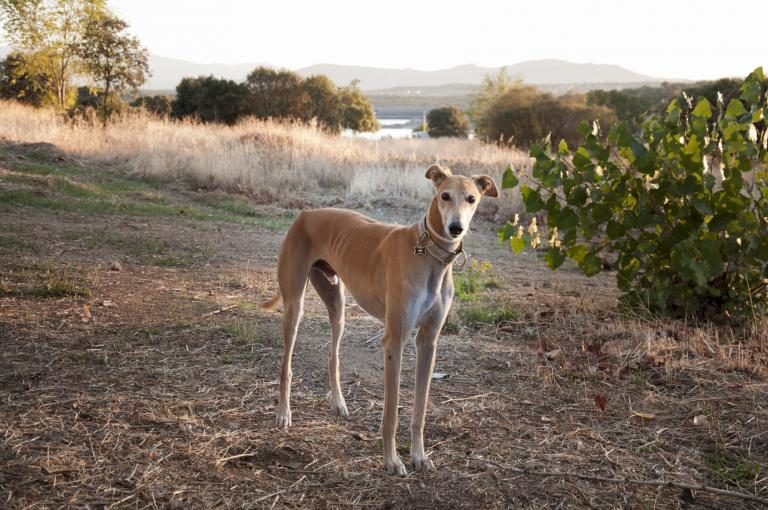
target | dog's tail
x=273, y=303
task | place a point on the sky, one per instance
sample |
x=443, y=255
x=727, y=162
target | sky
x=693, y=39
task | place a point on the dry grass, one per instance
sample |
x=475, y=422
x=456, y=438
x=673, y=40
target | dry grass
x=163, y=395
x=262, y=158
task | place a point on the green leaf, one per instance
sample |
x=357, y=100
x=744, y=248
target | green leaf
x=531, y=199
x=577, y=252
x=554, y=257
x=577, y=196
x=601, y=213
x=507, y=231
x=567, y=220
x=591, y=264
x=509, y=179
x=735, y=109
x=562, y=148
x=614, y=230
x=581, y=159
x=703, y=109
x=517, y=245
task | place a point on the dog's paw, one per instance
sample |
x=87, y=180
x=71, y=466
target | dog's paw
x=422, y=463
x=284, y=419
x=395, y=467
x=338, y=406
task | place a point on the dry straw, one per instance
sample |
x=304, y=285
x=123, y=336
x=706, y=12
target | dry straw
x=261, y=157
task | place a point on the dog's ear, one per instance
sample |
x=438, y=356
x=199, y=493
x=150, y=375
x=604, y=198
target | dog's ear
x=437, y=174
x=486, y=185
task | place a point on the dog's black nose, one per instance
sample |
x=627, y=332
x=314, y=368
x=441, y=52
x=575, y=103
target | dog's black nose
x=455, y=229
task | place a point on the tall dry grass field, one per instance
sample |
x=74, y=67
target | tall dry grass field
x=264, y=158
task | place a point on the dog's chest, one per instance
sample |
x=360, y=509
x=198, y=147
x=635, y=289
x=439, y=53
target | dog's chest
x=431, y=294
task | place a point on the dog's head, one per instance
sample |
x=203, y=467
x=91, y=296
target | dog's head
x=456, y=199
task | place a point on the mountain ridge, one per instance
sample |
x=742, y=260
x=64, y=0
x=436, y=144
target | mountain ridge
x=167, y=73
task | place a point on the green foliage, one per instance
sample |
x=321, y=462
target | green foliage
x=20, y=81
x=322, y=102
x=49, y=33
x=275, y=94
x=112, y=58
x=210, y=99
x=448, y=121
x=161, y=106
x=357, y=112
x=680, y=210
x=492, y=88
x=525, y=115
x=627, y=106
x=467, y=284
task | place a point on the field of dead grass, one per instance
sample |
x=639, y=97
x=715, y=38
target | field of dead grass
x=266, y=159
x=136, y=370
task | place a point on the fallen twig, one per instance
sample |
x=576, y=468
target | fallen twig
x=466, y=398
x=224, y=309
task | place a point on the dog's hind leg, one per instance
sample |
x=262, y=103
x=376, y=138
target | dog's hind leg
x=331, y=291
x=292, y=275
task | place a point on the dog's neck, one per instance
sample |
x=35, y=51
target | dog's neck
x=436, y=229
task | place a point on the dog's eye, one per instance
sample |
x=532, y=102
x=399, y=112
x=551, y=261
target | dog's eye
x=445, y=196
x=471, y=199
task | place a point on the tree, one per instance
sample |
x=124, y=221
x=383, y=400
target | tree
x=49, y=33
x=628, y=107
x=491, y=89
x=357, y=112
x=113, y=58
x=210, y=99
x=448, y=121
x=524, y=115
x=21, y=82
x=158, y=105
x=322, y=102
x=678, y=210
x=275, y=94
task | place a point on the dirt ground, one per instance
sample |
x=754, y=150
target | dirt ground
x=137, y=371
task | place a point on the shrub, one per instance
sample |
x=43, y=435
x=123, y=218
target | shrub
x=357, y=112
x=161, y=106
x=210, y=99
x=681, y=210
x=20, y=81
x=524, y=115
x=448, y=121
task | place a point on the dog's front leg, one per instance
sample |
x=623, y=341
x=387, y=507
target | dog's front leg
x=426, y=348
x=393, y=353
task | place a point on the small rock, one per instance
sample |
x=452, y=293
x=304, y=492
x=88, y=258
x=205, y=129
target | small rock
x=115, y=266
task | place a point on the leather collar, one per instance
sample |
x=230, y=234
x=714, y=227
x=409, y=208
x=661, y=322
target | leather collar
x=427, y=244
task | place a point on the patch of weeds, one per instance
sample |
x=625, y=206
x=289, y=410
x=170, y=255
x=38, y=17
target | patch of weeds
x=470, y=282
x=486, y=313
x=55, y=284
x=173, y=261
x=43, y=168
x=238, y=210
x=247, y=306
x=249, y=332
x=15, y=243
x=451, y=327
x=42, y=200
x=731, y=466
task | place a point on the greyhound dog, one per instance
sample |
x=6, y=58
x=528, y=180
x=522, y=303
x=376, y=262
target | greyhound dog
x=400, y=275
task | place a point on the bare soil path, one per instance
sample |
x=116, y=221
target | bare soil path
x=137, y=371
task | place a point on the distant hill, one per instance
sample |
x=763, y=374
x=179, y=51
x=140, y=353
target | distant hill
x=168, y=72
x=536, y=72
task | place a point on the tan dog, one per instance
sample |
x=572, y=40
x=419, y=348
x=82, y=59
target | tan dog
x=400, y=275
